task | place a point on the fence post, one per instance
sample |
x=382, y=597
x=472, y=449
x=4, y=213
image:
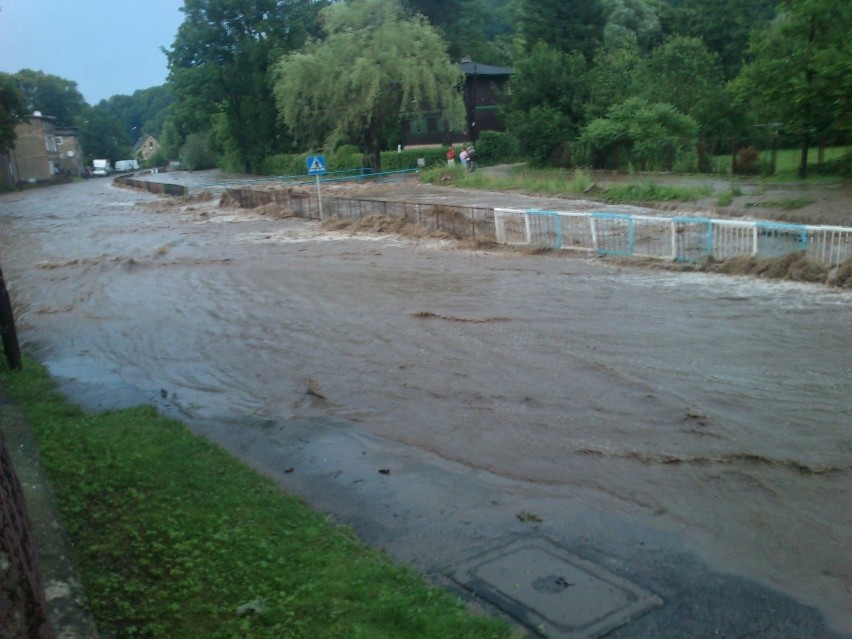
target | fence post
x=674, y=240
x=560, y=242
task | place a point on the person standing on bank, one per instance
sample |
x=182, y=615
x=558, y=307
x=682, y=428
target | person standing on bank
x=471, y=159
x=463, y=157
x=451, y=157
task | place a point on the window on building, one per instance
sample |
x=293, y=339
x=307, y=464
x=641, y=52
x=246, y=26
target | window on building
x=58, y=140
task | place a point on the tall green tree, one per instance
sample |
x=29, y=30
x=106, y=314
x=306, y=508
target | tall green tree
x=724, y=25
x=376, y=65
x=615, y=75
x=460, y=22
x=545, y=109
x=220, y=61
x=800, y=76
x=686, y=74
x=52, y=95
x=569, y=26
x=637, y=17
x=102, y=135
x=13, y=111
x=143, y=112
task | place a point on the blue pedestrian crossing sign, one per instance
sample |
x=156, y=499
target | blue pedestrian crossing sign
x=316, y=164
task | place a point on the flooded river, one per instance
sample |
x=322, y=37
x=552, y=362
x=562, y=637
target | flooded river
x=715, y=410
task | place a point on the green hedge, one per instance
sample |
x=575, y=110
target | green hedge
x=495, y=147
x=350, y=157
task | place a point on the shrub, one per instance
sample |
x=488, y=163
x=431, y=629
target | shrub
x=195, y=154
x=541, y=132
x=349, y=157
x=494, y=147
x=748, y=161
x=284, y=164
x=346, y=157
x=582, y=182
x=158, y=159
x=650, y=136
x=841, y=166
x=725, y=199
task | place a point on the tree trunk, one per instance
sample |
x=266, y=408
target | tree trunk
x=803, y=160
x=806, y=130
x=373, y=146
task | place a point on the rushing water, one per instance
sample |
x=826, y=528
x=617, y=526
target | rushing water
x=717, y=408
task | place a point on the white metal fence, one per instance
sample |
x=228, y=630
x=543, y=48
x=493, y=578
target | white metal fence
x=673, y=238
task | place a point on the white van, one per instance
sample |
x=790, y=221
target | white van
x=122, y=166
x=101, y=167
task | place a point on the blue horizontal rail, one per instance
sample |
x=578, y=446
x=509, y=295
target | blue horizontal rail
x=302, y=178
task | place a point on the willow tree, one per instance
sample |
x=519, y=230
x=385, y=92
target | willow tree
x=219, y=72
x=375, y=66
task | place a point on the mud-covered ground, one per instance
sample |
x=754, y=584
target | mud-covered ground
x=820, y=201
x=689, y=431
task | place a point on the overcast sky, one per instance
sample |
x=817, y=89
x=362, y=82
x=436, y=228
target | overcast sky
x=107, y=47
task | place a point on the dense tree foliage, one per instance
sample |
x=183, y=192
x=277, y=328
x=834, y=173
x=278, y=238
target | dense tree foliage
x=642, y=134
x=631, y=17
x=701, y=77
x=800, y=77
x=375, y=65
x=102, y=135
x=219, y=64
x=723, y=25
x=13, y=110
x=143, y=112
x=51, y=95
x=566, y=26
x=460, y=22
x=545, y=109
x=616, y=74
x=686, y=74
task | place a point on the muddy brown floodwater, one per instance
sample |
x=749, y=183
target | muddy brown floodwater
x=639, y=418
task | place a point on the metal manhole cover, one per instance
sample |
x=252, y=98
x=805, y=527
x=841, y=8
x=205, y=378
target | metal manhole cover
x=553, y=591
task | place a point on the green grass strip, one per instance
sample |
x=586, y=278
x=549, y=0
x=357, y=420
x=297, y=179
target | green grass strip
x=176, y=538
x=560, y=182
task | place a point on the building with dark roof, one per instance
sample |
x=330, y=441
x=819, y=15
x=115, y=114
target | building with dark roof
x=485, y=87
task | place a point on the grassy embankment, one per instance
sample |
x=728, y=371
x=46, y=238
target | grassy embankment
x=555, y=182
x=175, y=538
x=787, y=163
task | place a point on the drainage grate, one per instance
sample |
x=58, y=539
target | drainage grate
x=553, y=591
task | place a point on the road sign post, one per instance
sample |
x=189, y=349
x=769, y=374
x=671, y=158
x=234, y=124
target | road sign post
x=316, y=166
